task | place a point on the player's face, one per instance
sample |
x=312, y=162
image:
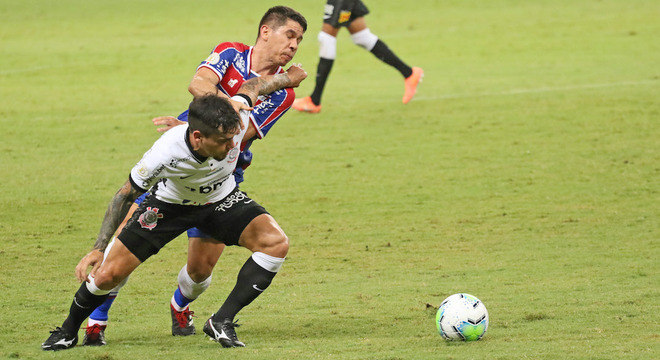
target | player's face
x=283, y=42
x=218, y=145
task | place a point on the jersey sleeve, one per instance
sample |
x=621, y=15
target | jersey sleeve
x=151, y=168
x=183, y=116
x=221, y=57
x=270, y=109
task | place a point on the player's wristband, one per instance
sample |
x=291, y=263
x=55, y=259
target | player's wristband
x=247, y=98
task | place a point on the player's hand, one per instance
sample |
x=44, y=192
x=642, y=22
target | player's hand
x=238, y=106
x=167, y=122
x=296, y=74
x=94, y=259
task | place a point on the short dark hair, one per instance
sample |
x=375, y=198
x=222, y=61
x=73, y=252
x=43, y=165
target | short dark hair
x=278, y=15
x=208, y=113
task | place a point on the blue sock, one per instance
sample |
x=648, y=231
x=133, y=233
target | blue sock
x=181, y=300
x=101, y=312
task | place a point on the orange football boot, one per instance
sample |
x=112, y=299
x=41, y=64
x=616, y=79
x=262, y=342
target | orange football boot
x=411, y=83
x=305, y=104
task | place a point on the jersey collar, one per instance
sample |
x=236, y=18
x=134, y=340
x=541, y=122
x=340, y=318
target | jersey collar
x=199, y=158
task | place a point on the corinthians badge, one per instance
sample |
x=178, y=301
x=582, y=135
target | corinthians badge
x=149, y=218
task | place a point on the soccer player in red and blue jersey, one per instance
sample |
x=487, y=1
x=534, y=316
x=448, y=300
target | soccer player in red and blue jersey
x=223, y=72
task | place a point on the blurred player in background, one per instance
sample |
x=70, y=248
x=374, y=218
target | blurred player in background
x=228, y=66
x=350, y=13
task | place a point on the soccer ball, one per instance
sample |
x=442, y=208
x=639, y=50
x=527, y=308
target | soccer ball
x=462, y=317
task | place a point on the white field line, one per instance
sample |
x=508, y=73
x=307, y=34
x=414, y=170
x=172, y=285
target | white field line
x=32, y=69
x=534, y=91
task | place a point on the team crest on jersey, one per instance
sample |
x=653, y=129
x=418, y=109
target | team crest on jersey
x=213, y=58
x=149, y=219
x=233, y=155
x=344, y=16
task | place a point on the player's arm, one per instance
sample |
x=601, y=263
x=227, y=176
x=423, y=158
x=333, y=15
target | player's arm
x=114, y=215
x=205, y=82
x=267, y=84
x=116, y=212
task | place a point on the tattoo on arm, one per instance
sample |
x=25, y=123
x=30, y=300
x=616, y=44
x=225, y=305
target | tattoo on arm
x=264, y=85
x=117, y=210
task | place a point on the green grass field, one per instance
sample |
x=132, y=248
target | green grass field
x=525, y=172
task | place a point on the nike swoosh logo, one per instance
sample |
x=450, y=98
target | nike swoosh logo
x=256, y=288
x=185, y=177
x=247, y=202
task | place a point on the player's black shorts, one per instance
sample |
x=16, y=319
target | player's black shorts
x=155, y=223
x=342, y=12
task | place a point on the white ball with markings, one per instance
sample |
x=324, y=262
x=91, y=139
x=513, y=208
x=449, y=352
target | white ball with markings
x=462, y=317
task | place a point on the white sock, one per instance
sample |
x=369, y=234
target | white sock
x=327, y=46
x=365, y=39
x=190, y=288
x=176, y=306
x=270, y=263
x=92, y=322
x=91, y=286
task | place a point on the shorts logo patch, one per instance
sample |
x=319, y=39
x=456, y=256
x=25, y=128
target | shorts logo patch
x=231, y=200
x=327, y=11
x=149, y=219
x=344, y=16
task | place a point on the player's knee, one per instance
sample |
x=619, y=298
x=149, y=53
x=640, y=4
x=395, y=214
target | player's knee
x=282, y=247
x=276, y=244
x=200, y=271
x=108, y=278
x=365, y=39
x=120, y=285
x=327, y=46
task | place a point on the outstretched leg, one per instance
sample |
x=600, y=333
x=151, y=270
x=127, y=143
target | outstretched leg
x=362, y=36
x=119, y=263
x=264, y=237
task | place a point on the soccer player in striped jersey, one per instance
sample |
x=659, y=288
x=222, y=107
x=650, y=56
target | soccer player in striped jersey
x=223, y=72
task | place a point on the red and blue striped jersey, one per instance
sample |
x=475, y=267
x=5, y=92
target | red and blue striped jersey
x=231, y=61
